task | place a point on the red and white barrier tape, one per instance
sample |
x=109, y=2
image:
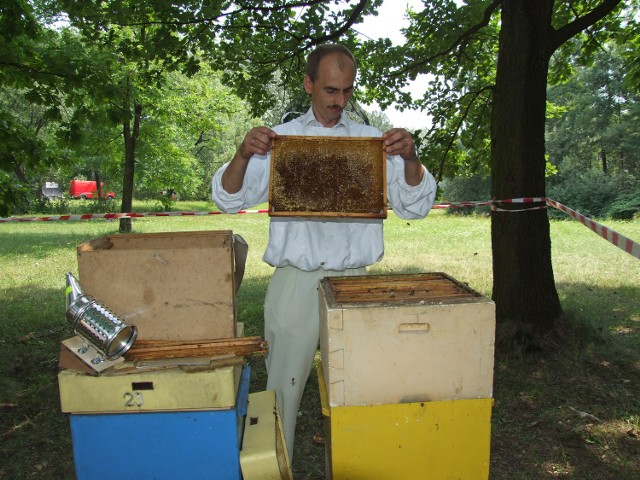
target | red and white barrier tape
x=620, y=241
x=493, y=202
x=495, y=208
x=461, y=204
x=116, y=216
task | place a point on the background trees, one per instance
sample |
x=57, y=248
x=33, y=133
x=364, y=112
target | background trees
x=195, y=128
x=491, y=62
x=593, y=138
x=99, y=87
x=596, y=126
x=144, y=75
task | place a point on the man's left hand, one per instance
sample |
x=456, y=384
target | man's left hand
x=400, y=142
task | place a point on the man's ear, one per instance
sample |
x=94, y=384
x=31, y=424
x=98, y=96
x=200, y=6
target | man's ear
x=308, y=84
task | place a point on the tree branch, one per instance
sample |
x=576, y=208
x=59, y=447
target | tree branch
x=474, y=96
x=563, y=34
x=237, y=11
x=28, y=68
x=305, y=42
x=287, y=6
x=460, y=42
x=344, y=28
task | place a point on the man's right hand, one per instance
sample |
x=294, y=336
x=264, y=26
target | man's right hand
x=256, y=142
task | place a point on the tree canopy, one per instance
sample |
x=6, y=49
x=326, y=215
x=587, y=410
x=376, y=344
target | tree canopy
x=111, y=64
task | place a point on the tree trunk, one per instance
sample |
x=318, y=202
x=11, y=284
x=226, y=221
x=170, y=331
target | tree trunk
x=99, y=192
x=20, y=172
x=524, y=291
x=130, y=137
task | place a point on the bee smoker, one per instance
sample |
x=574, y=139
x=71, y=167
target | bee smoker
x=97, y=324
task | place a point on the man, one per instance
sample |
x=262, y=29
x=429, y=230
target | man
x=306, y=250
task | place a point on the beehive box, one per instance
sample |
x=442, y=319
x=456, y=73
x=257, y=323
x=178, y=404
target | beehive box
x=202, y=444
x=127, y=389
x=403, y=338
x=171, y=286
x=328, y=177
x=264, y=454
x=431, y=440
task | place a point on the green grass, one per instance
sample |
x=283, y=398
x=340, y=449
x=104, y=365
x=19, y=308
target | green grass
x=591, y=365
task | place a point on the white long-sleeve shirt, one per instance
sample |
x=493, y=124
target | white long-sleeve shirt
x=318, y=243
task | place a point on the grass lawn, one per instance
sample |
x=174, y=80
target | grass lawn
x=570, y=411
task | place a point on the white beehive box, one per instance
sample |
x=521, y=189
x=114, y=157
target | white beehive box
x=405, y=338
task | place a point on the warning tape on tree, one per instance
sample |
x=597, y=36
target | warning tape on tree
x=620, y=241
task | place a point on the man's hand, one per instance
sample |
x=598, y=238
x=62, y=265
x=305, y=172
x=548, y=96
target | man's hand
x=400, y=142
x=257, y=141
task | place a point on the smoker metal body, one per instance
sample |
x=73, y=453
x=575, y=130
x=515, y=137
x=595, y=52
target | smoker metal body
x=96, y=323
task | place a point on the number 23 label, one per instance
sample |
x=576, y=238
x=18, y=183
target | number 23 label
x=133, y=399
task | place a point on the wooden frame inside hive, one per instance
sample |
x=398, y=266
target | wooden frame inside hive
x=328, y=177
x=399, y=289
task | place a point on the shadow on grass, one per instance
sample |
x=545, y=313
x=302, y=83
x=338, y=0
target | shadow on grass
x=571, y=410
x=558, y=414
x=34, y=434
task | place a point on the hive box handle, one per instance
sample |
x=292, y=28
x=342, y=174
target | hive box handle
x=414, y=328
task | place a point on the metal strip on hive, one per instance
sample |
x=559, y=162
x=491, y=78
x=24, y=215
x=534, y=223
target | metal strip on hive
x=328, y=177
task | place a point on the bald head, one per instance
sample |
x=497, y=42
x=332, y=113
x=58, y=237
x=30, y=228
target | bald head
x=342, y=55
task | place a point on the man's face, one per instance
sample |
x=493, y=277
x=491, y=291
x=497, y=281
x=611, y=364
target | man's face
x=332, y=89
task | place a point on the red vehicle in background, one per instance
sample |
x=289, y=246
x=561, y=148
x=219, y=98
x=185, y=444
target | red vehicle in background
x=87, y=189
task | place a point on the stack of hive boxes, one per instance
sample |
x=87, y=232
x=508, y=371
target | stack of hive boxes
x=166, y=418
x=406, y=377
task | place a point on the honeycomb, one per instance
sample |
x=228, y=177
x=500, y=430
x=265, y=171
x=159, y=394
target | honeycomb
x=328, y=176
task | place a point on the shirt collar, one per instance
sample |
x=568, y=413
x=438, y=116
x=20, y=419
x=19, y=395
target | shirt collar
x=309, y=119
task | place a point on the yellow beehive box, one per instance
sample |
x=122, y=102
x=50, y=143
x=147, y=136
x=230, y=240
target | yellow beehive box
x=403, y=338
x=264, y=454
x=166, y=389
x=439, y=440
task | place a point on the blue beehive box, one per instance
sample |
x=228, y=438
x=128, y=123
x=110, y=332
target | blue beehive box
x=198, y=445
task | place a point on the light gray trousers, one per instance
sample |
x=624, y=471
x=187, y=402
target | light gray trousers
x=292, y=328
